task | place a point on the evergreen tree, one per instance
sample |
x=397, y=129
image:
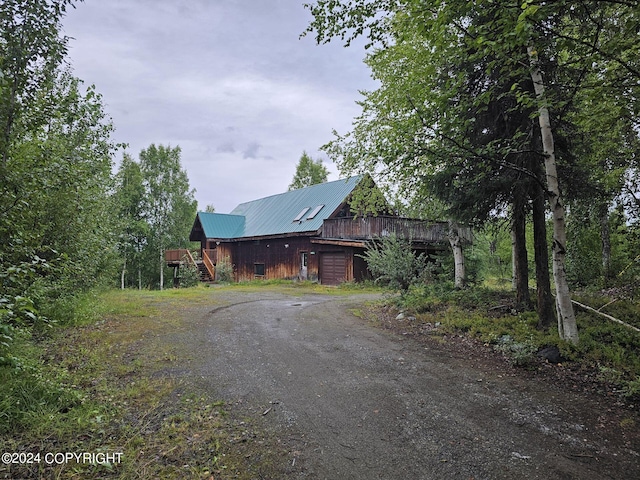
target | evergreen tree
x=308, y=172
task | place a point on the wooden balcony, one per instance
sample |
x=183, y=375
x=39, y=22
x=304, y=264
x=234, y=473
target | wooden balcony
x=368, y=228
x=178, y=256
x=205, y=265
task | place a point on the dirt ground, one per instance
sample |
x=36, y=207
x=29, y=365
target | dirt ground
x=318, y=392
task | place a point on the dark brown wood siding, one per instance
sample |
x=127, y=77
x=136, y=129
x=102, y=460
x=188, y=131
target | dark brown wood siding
x=360, y=269
x=281, y=258
x=276, y=258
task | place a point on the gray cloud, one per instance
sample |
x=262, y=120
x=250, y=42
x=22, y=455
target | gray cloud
x=182, y=72
x=251, y=151
x=226, y=147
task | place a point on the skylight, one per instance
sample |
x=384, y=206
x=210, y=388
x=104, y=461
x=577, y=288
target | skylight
x=301, y=214
x=315, y=212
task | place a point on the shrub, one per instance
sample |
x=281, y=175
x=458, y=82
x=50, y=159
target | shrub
x=394, y=264
x=189, y=275
x=224, y=271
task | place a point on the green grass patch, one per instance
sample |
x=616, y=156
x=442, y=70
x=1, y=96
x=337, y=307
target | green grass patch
x=489, y=315
x=99, y=384
x=304, y=287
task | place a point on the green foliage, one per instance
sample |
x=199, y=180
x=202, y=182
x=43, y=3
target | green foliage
x=494, y=242
x=29, y=395
x=156, y=208
x=56, y=222
x=189, y=275
x=585, y=251
x=308, y=172
x=521, y=353
x=129, y=200
x=224, y=271
x=367, y=199
x=31, y=52
x=394, y=264
x=453, y=119
x=473, y=264
x=169, y=206
x=489, y=316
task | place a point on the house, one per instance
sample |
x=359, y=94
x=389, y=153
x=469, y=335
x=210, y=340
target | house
x=306, y=234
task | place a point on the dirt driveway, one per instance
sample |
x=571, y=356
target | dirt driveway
x=347, y=400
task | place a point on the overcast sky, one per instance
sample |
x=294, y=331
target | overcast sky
x=229, y=81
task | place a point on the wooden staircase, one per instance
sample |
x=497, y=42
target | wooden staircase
x=203, y=272
x=206, y=266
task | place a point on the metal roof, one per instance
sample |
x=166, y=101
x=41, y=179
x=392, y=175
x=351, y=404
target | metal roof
x=221, y=225
x=275, y=215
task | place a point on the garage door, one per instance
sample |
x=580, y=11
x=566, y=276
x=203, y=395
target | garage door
x=332, y=268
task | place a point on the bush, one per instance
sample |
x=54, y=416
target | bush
x=189, y=275
x=394, y=264
x=224, y=271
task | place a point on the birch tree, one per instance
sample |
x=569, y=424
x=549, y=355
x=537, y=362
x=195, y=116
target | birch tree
x=130, y=203
x=567, y=326
x=170, y=206
x=520, y=41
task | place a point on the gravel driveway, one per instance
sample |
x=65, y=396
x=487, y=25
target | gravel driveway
x=352, y=401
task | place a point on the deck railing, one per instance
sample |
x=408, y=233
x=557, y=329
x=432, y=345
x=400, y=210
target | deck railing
x=178, y=255
x=368, y=228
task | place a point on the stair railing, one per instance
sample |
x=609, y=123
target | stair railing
x=191, y=259
x=211, y=268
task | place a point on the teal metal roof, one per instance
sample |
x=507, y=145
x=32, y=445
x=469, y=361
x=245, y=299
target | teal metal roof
x=221, y=225
x=275, y=215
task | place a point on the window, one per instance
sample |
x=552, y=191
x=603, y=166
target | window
x=315, y=212
x=301, y=214
x=258, y=269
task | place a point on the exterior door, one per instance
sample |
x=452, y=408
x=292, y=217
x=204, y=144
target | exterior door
x=332, y=268
x=303, y=265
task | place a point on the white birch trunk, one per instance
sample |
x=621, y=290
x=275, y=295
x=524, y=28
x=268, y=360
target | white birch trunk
x=161, y=269
x=567, y=326
x=124, y=269
x=458, y=255
x=514, y=254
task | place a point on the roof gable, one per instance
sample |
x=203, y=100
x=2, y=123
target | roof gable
x=220, y=225
x=275, y=215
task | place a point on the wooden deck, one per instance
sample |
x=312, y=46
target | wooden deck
x=369, y=228
x=205, y=263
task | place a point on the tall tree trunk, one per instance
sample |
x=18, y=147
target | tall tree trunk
x=161, y=268
x=546, y=318
x=605, y=233
x=458, y=256
x=514, y=255
x=124, y=270
x=567, y=326
x=520, y=260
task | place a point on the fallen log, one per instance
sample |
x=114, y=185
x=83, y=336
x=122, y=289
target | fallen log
x=613, y=319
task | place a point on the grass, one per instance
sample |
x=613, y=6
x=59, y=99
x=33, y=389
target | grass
x=488, y=314
x=98, y=385
x=289, y=286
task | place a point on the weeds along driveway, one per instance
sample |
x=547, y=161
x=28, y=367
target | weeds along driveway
x=348, y=400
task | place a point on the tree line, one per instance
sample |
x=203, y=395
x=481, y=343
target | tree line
x=485, y=111
x=67, y=223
